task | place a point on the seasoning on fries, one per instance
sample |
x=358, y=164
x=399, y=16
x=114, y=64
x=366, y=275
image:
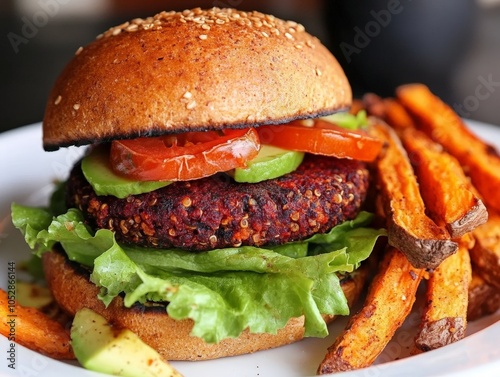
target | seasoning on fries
x=444, y=187
x=424, y=243
x=441, y=123
x=445, y=315
x=390, y=298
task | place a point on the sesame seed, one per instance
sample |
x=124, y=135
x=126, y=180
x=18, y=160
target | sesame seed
x=58, y=100
x=187, y=95
x=214, y=16
x=80, y=49
x=268, y=24
x=76, y=106
x=132, y=27
x=298, y=46
x=318, y=72
x=265, y=34
x=191, y=105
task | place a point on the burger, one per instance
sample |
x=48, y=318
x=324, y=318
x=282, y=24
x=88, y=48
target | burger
x=218, y=209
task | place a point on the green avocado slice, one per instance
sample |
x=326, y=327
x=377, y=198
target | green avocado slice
x=120, y=352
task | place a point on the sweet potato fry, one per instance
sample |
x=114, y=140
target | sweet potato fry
x=443, y=185
x=445, y=315
x=374, y=105
x=396, y=115
x=33, y=329
x=389, y=110
x=480, y=160
x=485, y=254
x=389, y=300
x=409, y=229
x=484, y=298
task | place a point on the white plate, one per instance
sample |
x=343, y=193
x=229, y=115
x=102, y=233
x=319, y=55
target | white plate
x=26, y=176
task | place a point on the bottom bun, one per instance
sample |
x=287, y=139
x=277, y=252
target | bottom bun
x=73, y=291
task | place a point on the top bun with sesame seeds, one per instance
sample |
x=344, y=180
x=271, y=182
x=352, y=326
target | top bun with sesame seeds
x=192, y=70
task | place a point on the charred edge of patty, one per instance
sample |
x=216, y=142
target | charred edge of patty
x=217, y=212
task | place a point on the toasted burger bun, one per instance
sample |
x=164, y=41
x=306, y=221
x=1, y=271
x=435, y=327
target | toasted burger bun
x=192, y=70
x=73, y=291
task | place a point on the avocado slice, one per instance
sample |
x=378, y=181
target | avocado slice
x=271, y=162
x=120, y=352
x=97, y=170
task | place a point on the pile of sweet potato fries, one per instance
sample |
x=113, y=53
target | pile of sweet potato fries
x=432, y=180
x=438, y=193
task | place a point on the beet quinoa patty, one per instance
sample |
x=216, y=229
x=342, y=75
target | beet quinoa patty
x=217, y=212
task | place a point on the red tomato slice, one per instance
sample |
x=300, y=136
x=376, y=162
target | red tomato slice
x=322, y=138
x=185, y=156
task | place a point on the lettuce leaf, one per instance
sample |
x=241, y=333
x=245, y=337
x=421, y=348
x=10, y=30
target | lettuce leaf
x=224, y=291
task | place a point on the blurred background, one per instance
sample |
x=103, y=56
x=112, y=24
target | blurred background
x=453, y=46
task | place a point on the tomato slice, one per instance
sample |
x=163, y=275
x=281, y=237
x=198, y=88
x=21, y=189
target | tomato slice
x=321, y=137
x=183, y=157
